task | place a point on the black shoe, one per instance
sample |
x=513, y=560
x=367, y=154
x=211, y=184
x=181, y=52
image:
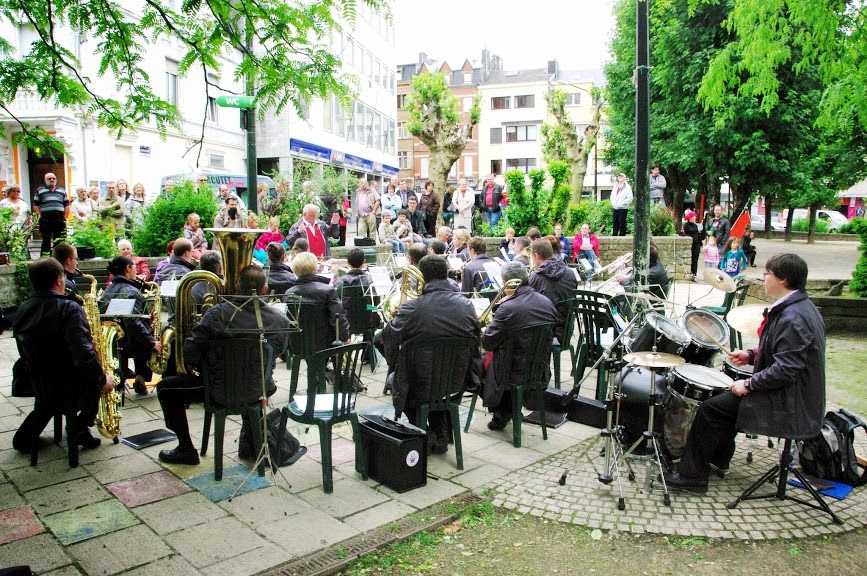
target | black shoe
x=718, y=470
x=87, y=441
x=441, y=446
x=499, y=421
x=180, y=456
x=694, y=485
x=140, y=386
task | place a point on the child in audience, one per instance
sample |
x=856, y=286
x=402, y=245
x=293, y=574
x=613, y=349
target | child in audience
x=711, y=253
x=387, y=234
x=272, y=235
x=733, y=259
x=195, y=234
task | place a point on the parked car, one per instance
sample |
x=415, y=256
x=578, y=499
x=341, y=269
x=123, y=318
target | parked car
x=832, y=218
x=757, y=223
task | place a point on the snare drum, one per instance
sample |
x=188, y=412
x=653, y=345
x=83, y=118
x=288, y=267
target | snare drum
x=689, y=385
x=665, y=334
x=737, y=372
x=702, y=328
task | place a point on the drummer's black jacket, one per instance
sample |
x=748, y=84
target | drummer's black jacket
x=558, y=283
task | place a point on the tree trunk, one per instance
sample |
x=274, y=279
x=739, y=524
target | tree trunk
x=769, y=230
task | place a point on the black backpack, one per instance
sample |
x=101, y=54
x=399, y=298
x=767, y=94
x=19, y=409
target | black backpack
x=831, y=454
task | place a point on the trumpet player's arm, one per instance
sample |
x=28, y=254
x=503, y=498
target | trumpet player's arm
x=498, y=330
x=80, y=342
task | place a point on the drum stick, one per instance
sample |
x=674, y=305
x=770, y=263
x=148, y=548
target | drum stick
x=715, y=341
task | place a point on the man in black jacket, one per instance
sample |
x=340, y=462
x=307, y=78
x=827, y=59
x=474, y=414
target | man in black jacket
x=553, y=279
x=53, y=336
x=319, y=298
x=474, y=276
x=236, y=317
x=785, y=396
x=524, y=307
x=440, y=312
x=489, y=200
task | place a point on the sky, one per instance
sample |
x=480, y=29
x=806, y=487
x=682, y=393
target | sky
x=523, y=34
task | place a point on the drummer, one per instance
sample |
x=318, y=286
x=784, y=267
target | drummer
x=785, y=397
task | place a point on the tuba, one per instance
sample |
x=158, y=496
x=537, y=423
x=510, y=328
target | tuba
x=105, y=336
x=411, y=286
x=236, y=247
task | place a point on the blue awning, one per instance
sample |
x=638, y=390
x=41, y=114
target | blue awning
x=309, y=150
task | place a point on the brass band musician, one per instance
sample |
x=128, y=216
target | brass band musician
x=68, y=257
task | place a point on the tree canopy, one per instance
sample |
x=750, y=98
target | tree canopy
x=289, y=60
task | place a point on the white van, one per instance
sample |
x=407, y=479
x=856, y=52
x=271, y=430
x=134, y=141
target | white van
x=832, y=218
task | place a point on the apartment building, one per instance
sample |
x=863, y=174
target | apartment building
x=94, y=155
x=413, y=154
x=361, y=140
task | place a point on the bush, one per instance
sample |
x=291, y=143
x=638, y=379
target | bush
x=527, y=208
x=850, y=227
x=92, y=233
x=858, y=284
x=803, y=225
x=561, y=193
x=13, y=238
x=166, y=217
x=497, y=231
x=661, y=221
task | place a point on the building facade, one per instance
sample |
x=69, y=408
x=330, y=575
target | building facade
x=361, y=140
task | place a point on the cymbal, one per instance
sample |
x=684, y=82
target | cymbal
x=746, y=318
x=719, y=279
x=654, y=359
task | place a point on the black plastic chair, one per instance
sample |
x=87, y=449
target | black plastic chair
x=327, y=409
x=235, y=357
x=361, y=316
x=534, y=364
x=446, y=380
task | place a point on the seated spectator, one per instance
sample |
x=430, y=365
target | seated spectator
x=534, y=233
x=403, y=229
x=230, y=216
x=194, y=233
x=388, y=234
x=272, y=235
x=142, y=272
x=507, y=244
x=748, y=247
x=279, y=275
x=416, y=217
x=586, y=246
x=565, y=243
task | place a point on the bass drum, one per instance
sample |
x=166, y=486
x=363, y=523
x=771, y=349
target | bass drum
x=737, y=372
x=635, y=386
x=665, y=334
x=702, y=328
x=689, y=386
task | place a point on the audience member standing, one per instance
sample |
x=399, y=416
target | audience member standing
x=135, y=205
x=690, y=228
x=430, y=206
x=367, y=201
x=657, y=186
x=20, y=208
x=464, y=199
x=52, y=205
x=83, y=209
x=719, y=227
x=111, y=208
x=489, y=200
x=621, y=198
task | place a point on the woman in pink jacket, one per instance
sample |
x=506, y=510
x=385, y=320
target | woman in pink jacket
x=586, y=245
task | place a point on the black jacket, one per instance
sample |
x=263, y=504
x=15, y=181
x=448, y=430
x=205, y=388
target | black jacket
x=719, y=229
x=327, y=308
x=440, y=312
x=474, y=276
x=138, y=337
x=524, y=308
x=691, y=229
x=69, y=281
x=176, y=267
x=53, y=335
x=657, y=281
x=236, y=318
x=787, y=397
x=483, y=194
x=416, y=220
x=554, y=280
x=280, y=277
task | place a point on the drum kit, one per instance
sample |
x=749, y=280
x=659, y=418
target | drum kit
x=663, y=374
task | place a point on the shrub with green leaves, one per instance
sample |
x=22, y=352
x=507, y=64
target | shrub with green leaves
x=13, y=238
x=165, y=219
x=95, y=234
x=858, y=284
x=561, y=193
x=803, y=225
x=527, y=208
x=661, y=221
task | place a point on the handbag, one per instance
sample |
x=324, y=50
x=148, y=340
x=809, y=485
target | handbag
x=22, y=382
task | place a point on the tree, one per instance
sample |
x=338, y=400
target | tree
x=561, y=141
x=434, y=119
x=290, y=61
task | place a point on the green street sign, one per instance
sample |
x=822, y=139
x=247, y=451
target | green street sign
x=236, y=101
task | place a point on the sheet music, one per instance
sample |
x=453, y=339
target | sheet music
x=401, y=261
x=493, y=271
x=279, y=307
x=375, y=270
x=480, y=304
x=169, y=288
x=455, y=263
x=120, y=307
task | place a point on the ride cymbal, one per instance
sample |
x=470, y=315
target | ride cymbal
x=654, y=359
x=719, y=280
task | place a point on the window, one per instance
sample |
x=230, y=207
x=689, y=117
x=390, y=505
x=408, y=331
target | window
x=402, y=131
x=467, y=102
x=349, y=56
x=391, y=146
x=453, y=173
x=304, y=109
x=377, y=72
x=468, y=77
x=425, y=167
x=406, y=73
x=522, y=164
x=368, y=127
x=369, y=65
x=573, y=99
x=496, y=135
x=401, y=100
x=500, y=103
x=171, y=82
x=378, y=135
x=216, y=160
x=525, y=101
x=521, y=133
x=403, y=160
x=468, y=165
x=327, y=115
x=496, y=166
x=211, y=111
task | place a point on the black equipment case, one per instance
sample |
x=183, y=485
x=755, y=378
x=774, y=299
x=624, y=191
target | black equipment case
x=396, y=452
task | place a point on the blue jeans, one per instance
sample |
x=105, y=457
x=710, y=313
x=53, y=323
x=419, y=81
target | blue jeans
x=492, y=217
x=397, y=245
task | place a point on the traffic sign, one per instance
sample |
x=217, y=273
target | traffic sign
x=236, y=101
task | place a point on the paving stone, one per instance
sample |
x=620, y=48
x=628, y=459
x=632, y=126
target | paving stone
x=172, y=514
x=115, y=553
x=41, y=553
x=480, y=476
x=148, y=488
x=379, y=515
x=435, y=491
x=342, y=451
x=349, y=497
x=128, y=464
x=307, y=532
x=235, y=478
x=263, y=506
x=216, y=541
x=65, y=571
x=167, y=566
x=66, y=496
x=251, y=562
x=18, y=523
x=9, y=497
x=89, y=521
x=45, y=474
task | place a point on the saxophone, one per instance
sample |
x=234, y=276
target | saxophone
x=159, y=362
x=105, y=336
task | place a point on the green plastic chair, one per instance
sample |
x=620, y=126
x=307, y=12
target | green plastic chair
x=361, y=317
x=534, y=365
x=235, y=356
x=445, y=377
x=332, y=407
x=565, y=343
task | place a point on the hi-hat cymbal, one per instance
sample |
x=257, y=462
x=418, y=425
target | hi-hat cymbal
x=719, y=280
x=747, y=318
x=654, y=359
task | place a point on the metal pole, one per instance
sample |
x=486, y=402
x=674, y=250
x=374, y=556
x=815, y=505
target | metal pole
x=596, y=170
x=641, y=238
x=252, y=181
